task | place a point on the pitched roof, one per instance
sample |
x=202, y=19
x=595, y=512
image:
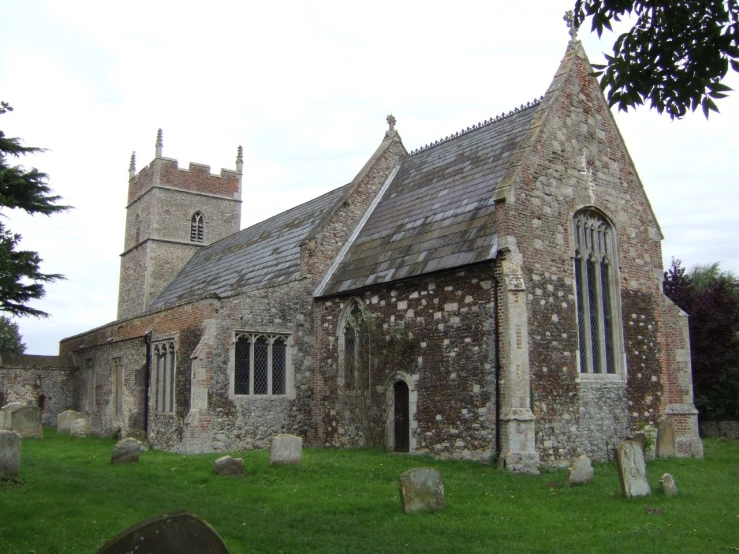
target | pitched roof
x=438, y=212
x=264, y=254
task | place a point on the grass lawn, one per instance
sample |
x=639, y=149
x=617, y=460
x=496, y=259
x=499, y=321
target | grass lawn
x=71, y=500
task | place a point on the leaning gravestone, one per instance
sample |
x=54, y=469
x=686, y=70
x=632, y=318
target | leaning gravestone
x=421, y=489
x=226, y=465
x=8, y=410
x=80, y=428
x=10, y=454
x=27, y=422
x=665, y=446
x=632, y=469
x=65, y=419
x=286, y=449
x=580, y=472
x=176, y=533
x=125, y=451
x=669, y=487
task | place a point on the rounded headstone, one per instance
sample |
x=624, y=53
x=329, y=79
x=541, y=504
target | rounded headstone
x=80, y=427
x=580, y=472
x=421, y=489
x=65, y=419
x=226, y=465
x=669, y=487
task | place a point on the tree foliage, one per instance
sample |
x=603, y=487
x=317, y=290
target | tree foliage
x=21, y=279
x=675, y=55
x=10, y=337
x=711, y=298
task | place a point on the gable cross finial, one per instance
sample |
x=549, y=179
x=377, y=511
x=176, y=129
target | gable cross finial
x=132, y=166
x=569, y=18
x=160, y=143
x=391, y=121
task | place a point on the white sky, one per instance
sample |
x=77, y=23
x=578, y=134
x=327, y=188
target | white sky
x=305, y=87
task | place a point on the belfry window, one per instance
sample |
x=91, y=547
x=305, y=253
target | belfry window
x=596, y=286
x=261, y=365
x=197, y=227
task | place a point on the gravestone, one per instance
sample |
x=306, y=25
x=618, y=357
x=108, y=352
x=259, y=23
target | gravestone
x=421, y=489
x=226, y=465
x=10, y=454
x=665, y=446
x=27, y=422
x=632, y=469
x=669, y=487
x=580, y=472
x=286, y=449
x=65, y=419
x=175, y=533
x=8, y=410
x=641, y=438
x=125, y=451
x=80, y=427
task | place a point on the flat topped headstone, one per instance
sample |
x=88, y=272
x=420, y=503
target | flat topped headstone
x=669, y=487
x=125, y=451
x=665, y=446
x=286, y=449
x=632, y=469
x=226, y=465
x=80, y=427
x=174, y=533
x=65, y=419
x=10, y=454
x=580, y=472
x=421, y=489
x=27, y=422
x=7, y=417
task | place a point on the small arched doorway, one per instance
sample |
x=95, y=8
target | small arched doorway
x=402, y=418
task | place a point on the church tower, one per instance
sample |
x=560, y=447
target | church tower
x=170, y=214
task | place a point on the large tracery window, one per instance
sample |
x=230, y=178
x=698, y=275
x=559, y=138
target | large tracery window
x=353, y=350
x=163, y=375
x=596, y=286
x=197, y=227
x=260, y=365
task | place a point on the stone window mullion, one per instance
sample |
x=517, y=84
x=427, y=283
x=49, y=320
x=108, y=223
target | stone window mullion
x=270, y=342
x=253, y=341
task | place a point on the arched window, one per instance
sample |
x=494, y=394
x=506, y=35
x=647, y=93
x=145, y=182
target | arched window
x=163, y=377
x=353, y=362
x=596, y=286
x=197, y=227
x=260, y=365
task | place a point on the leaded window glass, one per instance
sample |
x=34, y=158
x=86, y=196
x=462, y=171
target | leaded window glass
x=260, y=364
x=596, y=288
x=197, y=227
x=163, y=376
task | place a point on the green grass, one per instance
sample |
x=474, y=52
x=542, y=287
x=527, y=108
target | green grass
x=72, y=500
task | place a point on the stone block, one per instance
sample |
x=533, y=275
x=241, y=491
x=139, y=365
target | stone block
x=665, y=444
x=125, y=451
x=27, y=422
x=80, y=428
x=286, y=449
x=421, y=489
x=668, y=485
x=10, y=454
x=226, y=465
x=580, y=472
x=65, y=419
x=632, y=469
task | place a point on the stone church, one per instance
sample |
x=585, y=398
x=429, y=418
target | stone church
x=521, y=255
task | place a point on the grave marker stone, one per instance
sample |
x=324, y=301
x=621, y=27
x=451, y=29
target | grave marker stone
x=125, y=451
x=27, y=422
x=10, y=454
x=580, y=472
x=665, y=446
x=632, y=469
x=286, y=449
x=8, y=411
x=175, y=533
x=669, y=487
x=421, y=489
x=226, y=465
x=65, y=419
x=80, y=427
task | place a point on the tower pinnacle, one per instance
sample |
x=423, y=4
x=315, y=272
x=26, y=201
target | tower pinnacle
x=240, y=159
x=132, y=166
x=159, y=143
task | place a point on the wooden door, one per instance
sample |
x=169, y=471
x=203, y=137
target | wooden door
x=402, y=417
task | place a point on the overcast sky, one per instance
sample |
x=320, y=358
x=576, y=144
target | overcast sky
x=305, y=87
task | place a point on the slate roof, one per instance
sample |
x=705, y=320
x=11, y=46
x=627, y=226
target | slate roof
x=264, y=254
x=438, y=212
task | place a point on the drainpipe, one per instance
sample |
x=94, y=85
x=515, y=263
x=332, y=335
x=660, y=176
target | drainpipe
x=496, y=320
x=147, y=372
